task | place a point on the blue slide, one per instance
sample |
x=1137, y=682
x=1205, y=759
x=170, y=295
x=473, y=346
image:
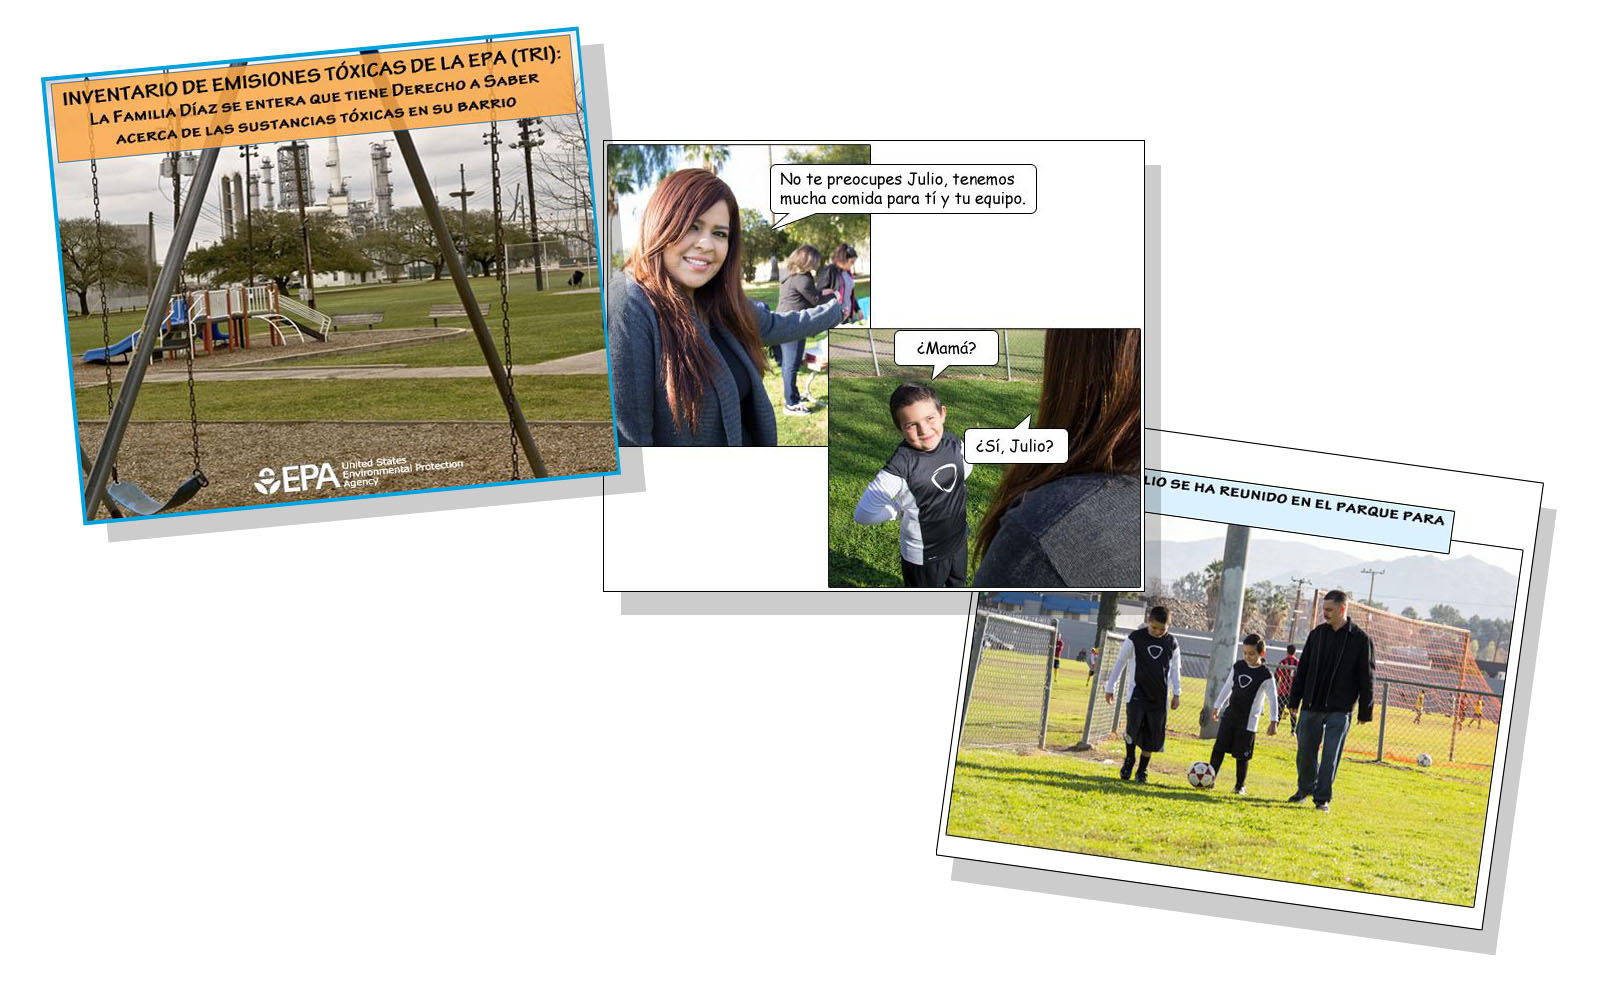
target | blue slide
x=117, y=350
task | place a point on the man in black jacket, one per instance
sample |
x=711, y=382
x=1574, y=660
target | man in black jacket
x=1335, y=674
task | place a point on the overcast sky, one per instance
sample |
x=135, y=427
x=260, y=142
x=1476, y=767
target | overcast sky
x=132, y=186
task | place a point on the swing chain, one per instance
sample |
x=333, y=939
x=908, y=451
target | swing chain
x=500, y=266
x=100, y=264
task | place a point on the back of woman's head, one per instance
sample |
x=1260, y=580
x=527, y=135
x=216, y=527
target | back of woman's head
x=844, y=255
x=804, y=260
x=1092, y=389
x=687, y=358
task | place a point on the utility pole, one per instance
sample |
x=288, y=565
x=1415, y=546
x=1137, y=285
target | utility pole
x=249, y=230
x=463, y=194
x=305, y=230
x=149, y=253
x=527, y=144
x=1372, y=580
x=1230, y=612
x=1295, y=621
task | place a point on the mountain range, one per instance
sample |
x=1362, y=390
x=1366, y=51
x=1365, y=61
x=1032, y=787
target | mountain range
x=1419, y=581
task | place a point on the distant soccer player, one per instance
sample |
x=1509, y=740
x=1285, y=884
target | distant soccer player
x=1158, y=666
x=1477, y=713
x=1057, y=667
x=1238, y=709
x=1418, y=719
x=1285, y=677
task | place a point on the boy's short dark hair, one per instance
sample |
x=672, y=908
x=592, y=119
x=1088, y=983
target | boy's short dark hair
x=1157, y=614
x=1254, y=642
x=911, y=392
x=1336, y=596
x=1291, y=649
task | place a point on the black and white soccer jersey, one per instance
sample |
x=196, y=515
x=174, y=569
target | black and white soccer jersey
x=1157, y=675
x=1248, y=689
x=927, y=490
x=1157, y=667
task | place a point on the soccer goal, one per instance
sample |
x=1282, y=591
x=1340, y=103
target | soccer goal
x=1007, y=697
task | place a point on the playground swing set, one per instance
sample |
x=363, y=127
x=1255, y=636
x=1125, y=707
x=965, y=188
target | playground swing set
x=175, y=319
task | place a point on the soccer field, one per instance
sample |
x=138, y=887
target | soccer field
x=1394, y=830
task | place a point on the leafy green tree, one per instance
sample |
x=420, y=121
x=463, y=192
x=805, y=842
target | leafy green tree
x=826, y=232
x=1444, y=614
x=761, y=241
x=276, y=252
x=82, y=266
x=1410, y=612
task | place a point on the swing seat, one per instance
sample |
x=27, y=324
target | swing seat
x=132, y=499
x=125, y=499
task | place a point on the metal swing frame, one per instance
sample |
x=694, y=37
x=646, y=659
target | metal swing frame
x=95, y=491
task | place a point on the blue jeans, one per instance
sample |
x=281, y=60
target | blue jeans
x=791, y=354
x=1327, y=730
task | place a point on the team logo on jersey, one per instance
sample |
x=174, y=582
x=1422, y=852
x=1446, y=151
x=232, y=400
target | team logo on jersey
x=1155, y=651
x=954, y=477
x=1244, y=680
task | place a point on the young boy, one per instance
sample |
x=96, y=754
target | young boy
x=1418, y=719
x=924, y=484
x=1238, y=709
x=1158, y=668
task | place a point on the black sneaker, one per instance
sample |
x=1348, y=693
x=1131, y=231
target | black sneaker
x=1322, y=807
x=1298, y=797
x=1126, y=772
x=1140, y=777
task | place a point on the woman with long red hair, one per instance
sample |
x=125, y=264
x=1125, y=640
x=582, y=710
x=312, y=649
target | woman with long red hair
x=1077, y=523
x=687, y=347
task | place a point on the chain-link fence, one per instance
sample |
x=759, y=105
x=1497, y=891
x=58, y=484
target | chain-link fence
x=1009, y=676
x=855, y=350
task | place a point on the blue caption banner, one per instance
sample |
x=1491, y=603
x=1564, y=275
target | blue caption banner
x=1382, y=522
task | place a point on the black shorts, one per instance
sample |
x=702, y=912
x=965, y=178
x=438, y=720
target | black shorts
x=948, y=570
x=1235, y=739
x=1146, y=727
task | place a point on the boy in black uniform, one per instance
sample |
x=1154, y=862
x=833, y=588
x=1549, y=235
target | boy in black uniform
x=1158, y=666
x=1238, y=709
x=924, y=484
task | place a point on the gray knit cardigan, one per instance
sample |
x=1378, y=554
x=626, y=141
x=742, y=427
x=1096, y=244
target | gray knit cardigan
x=638, y=389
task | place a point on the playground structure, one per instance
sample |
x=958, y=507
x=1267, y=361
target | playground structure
x=219, y=318
x=163, y=316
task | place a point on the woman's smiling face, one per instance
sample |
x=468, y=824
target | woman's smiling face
x=698, y=256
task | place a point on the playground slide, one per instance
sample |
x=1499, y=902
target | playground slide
x=104, y=355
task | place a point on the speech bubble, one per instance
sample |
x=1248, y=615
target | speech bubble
x=943, y=348
x=1023, y=444
x=800, y=190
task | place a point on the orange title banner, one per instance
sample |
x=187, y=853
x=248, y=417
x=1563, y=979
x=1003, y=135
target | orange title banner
x=313, y=98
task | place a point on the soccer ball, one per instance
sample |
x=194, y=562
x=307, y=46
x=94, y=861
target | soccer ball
x=1425, y=760
x=1201, y=774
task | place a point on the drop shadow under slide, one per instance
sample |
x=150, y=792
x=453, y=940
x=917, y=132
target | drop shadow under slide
x=1319, y=918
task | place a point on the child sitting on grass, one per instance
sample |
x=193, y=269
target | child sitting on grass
x=924, y=484
x=1238, y=708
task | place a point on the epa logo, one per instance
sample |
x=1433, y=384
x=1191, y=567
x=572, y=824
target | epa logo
x=296, y=479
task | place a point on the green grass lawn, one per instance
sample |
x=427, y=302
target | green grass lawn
x=542, y=397
x=861, y=439
x=1394, y=830
x=544, y=325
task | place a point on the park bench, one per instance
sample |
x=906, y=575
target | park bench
x=353, y=319
x=450, y=310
